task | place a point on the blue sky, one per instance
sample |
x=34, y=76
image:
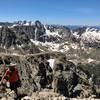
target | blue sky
x=67, y=12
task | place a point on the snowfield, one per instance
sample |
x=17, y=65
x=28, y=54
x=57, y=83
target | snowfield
x=51, y=62
x=91, y=35
x=55, y=34
x=54, y=46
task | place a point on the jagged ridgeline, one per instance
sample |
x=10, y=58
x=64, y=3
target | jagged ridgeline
x=17, y=39
x=19, y=36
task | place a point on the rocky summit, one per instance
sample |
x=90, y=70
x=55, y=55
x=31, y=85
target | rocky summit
x=54, y=62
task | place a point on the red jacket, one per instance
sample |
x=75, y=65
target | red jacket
x=13, y=77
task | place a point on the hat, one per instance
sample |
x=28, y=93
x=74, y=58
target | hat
x=11, y=65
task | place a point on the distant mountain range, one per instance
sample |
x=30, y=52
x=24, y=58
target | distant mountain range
x=72, y=27
x=22, y=36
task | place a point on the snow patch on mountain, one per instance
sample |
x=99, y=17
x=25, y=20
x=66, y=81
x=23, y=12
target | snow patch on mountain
x=26, y=24
x=49, y=33
x=74, y=46
x=65, y=48
x=90, y=60
x=51, y=46
x=75, y=34
x=35, y=42
x=51, y=61
x=0, y=26
x=91, y=35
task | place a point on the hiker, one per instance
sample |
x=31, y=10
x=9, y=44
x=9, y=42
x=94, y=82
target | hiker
x=11, y=76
